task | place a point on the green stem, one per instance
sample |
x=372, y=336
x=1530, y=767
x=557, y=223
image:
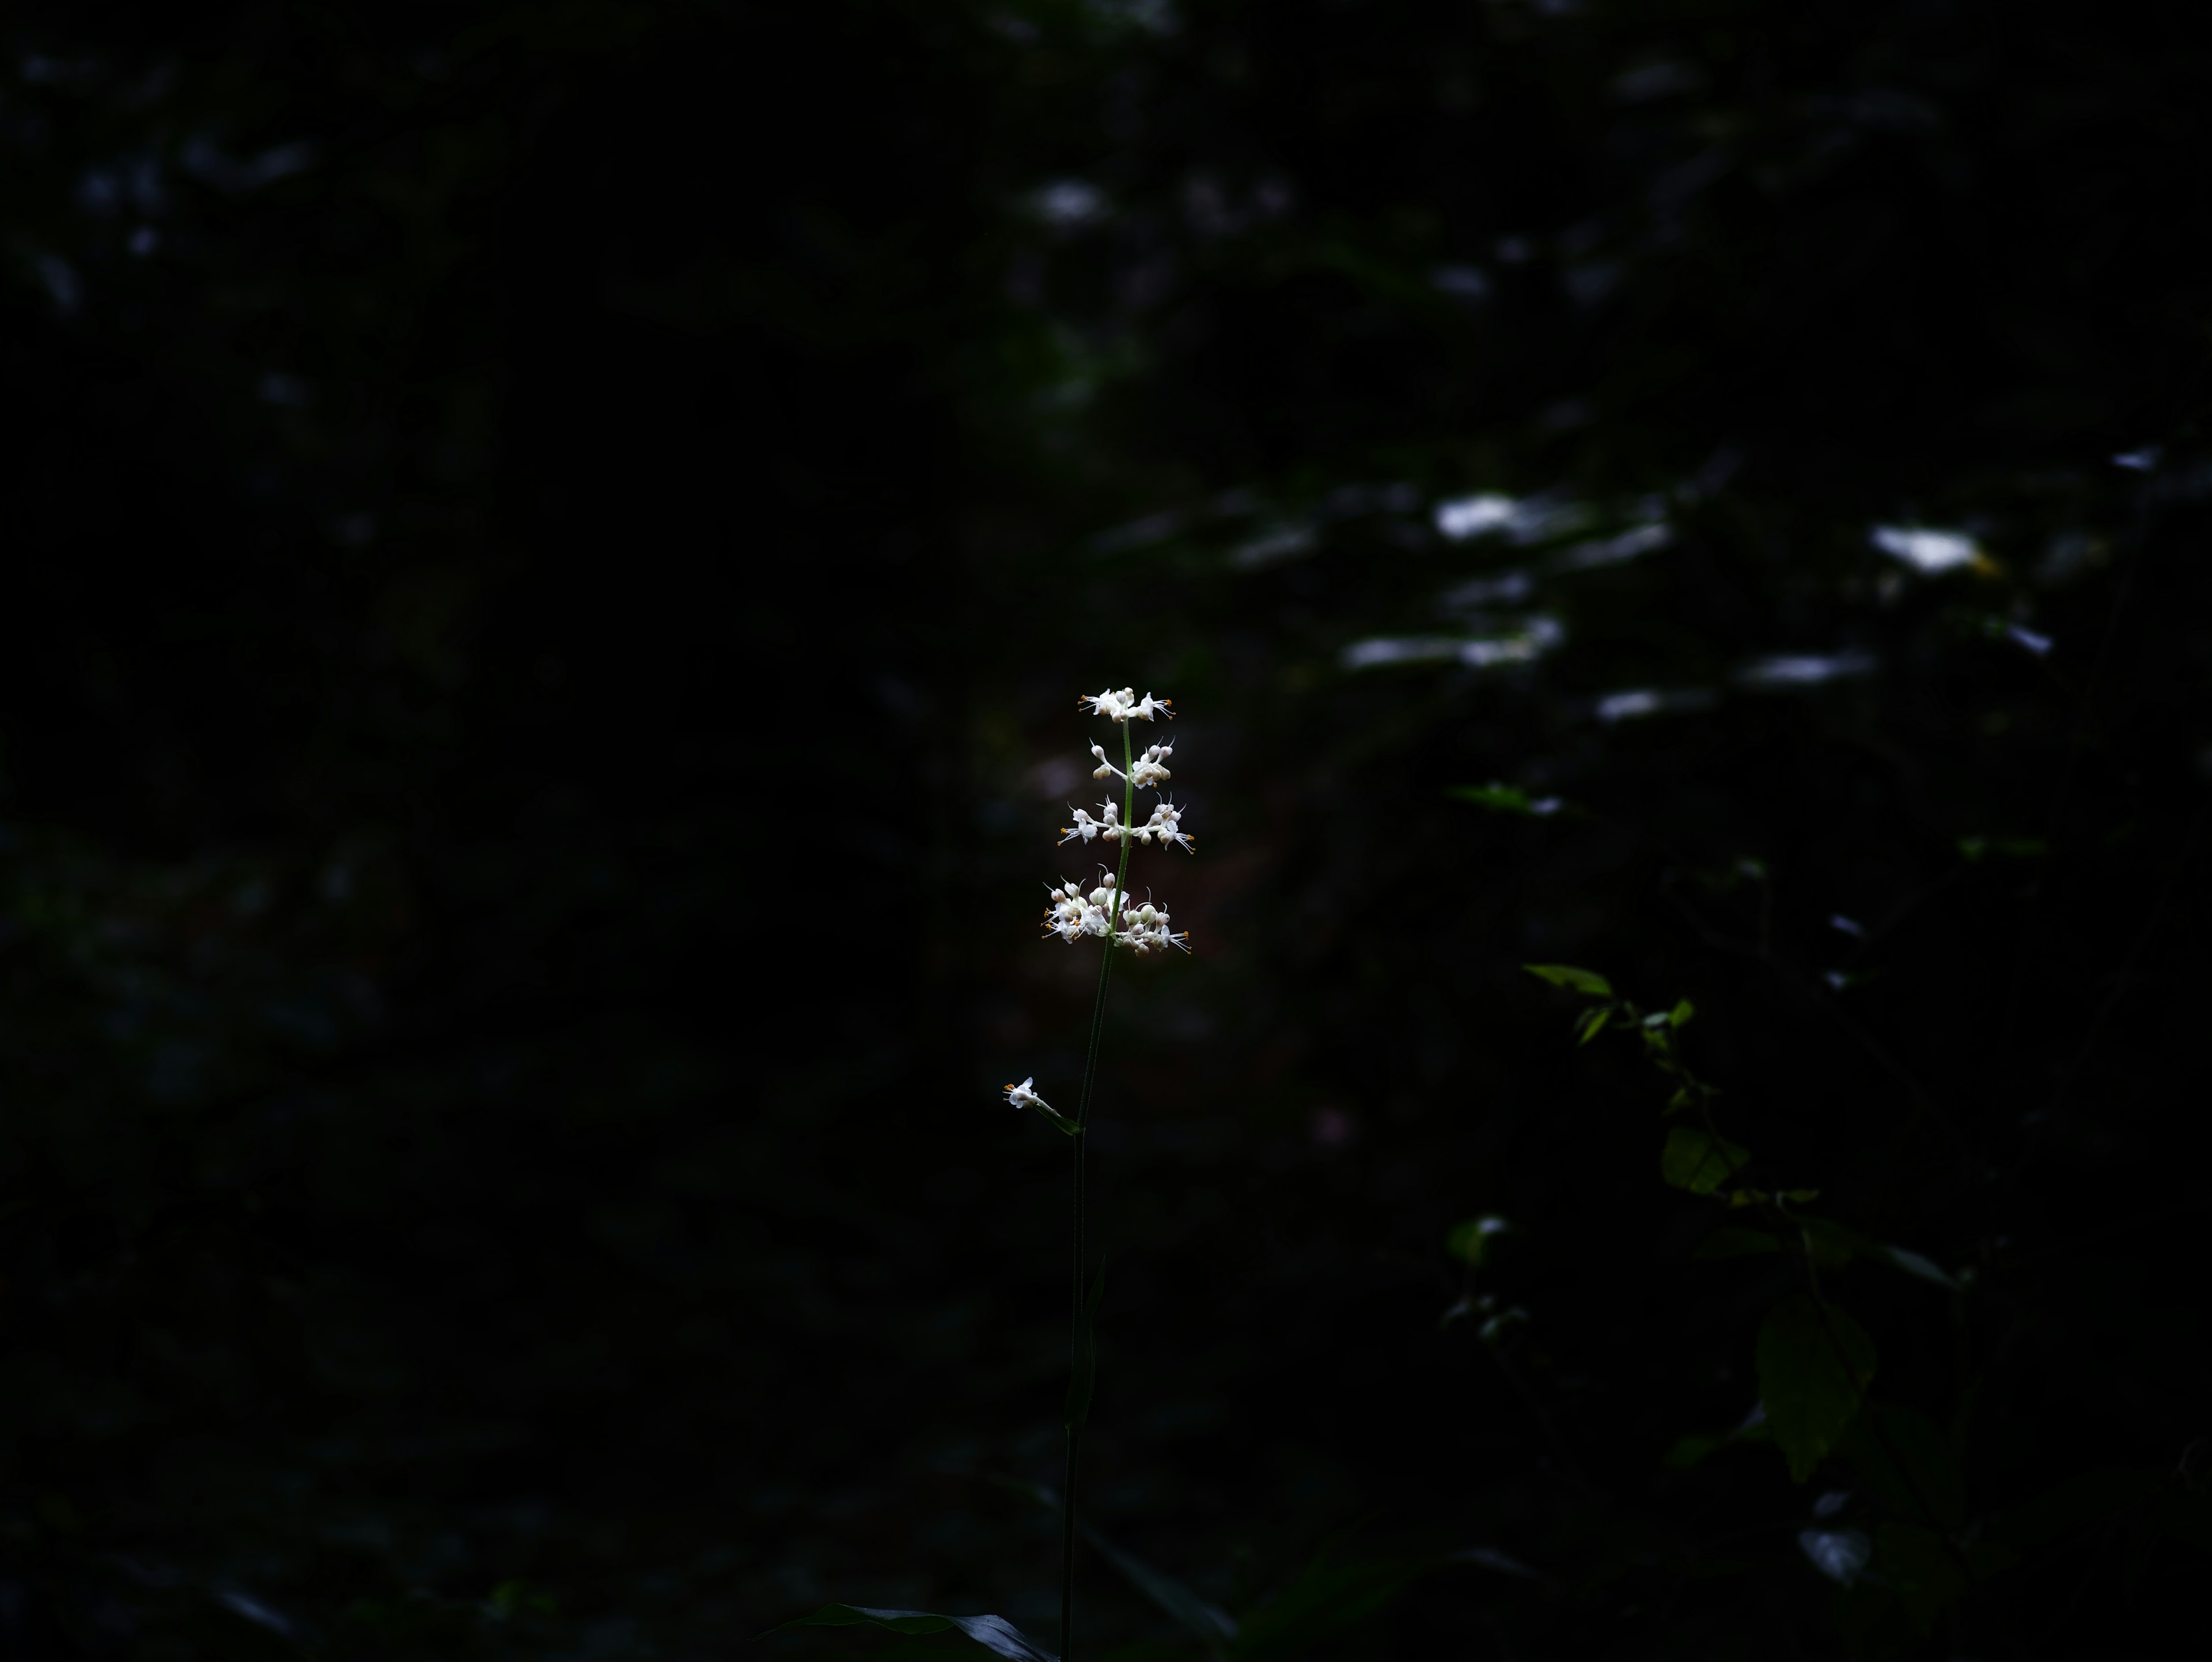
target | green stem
x=1075, y=1358
x=1075, y=1312
x=1128, y=816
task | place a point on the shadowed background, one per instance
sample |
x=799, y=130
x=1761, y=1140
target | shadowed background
x=550, y=554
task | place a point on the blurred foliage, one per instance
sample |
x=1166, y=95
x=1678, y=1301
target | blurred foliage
x=552, y=547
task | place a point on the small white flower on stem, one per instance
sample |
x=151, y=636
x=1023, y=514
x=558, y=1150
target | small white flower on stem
x=1063, y=917
x=1071, y=916
x=1166, y=823
x=1106, y=767
x=1020, y=1096
x=1145, y=929
x=1149, y=771
x=1114, y=705
x=1147, y=707
x=1085, y=826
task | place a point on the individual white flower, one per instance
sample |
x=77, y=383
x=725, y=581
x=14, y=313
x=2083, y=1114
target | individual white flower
x=1020, y=1096
x=1149, y=771
x=1147, y=707
x=1085, y=827
x=1104, y=766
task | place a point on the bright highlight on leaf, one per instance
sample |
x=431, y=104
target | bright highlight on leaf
x=1574, y=980
x=1469, y=1241
x=1913, y=1265
x=1506, y=799
x=1841, y=1555
x=1205, y=1620
x=994, y=1632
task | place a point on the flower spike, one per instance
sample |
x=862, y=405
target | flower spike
x=1108, y=912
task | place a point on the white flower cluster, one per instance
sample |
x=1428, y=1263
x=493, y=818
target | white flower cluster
x=1110, y=912
x=1145, y=929
x=1142, y=927
x=1070, y=913
x=1120, y=706
x=1148, y=772
x=1165, y=826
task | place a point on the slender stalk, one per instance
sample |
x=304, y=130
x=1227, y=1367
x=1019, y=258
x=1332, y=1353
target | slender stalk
x=1075, y=1360
x=1075, y=1310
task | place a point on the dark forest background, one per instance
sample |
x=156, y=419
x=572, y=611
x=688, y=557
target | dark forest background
x=548, y=553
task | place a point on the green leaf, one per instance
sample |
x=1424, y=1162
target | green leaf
x=1831, y=1243
x=1680, y=1014
x=1574, y=980
x=1698, y=1161
x=1592, y=1023
x=1505, y=799
x=1083, y=1373
x=1469, y=1241
x=994, y=1632
x=1903, y=1454
x=510, y=1597
x=1913, y=1265
x=1326, y=1600
x=1689, y=1450
x=1686, y=1452
x=1814, y=1365
x=1732, y=1242
x=1209, y=1622
x=2016, y=847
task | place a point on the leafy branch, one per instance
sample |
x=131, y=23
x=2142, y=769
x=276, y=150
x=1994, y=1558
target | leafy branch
x=1816, y=1362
